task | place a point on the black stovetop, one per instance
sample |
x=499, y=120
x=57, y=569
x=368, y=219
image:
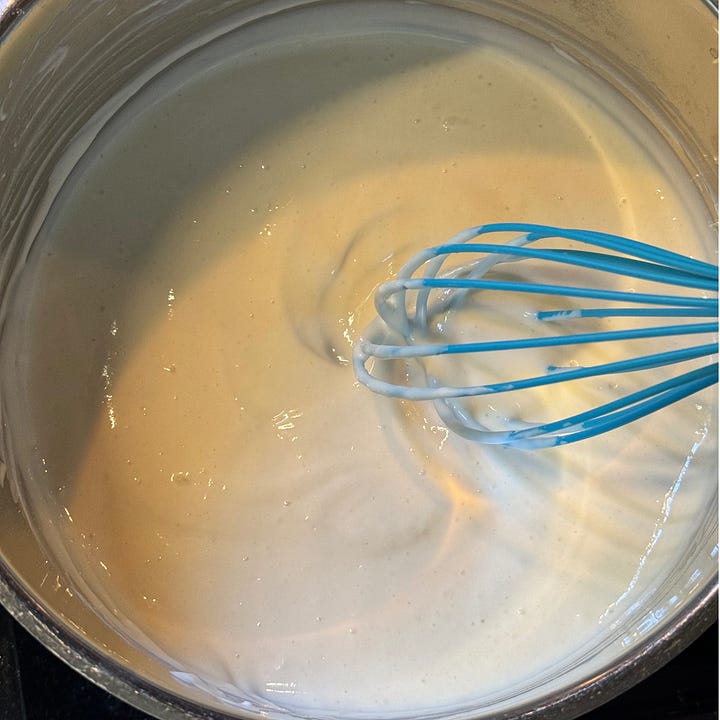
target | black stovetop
x=34, y=685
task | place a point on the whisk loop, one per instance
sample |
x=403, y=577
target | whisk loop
x=405, y=331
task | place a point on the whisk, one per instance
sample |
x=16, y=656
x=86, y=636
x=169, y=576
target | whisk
x=415, y=308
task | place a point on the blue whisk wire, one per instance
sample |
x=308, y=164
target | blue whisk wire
x=581, y=426
x=626, y=257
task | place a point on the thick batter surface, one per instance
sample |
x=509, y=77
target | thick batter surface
x=226, y=492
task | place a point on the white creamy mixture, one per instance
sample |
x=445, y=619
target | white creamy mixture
x=226, y=492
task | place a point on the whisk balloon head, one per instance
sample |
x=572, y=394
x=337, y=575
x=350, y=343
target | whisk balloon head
x=582, y=286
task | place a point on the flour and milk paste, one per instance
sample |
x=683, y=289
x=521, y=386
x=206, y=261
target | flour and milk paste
x=226, y=492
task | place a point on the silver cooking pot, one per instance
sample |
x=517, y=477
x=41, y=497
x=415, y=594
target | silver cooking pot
x=66, y=65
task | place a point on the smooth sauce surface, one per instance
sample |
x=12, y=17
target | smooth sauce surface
x=234, y=500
